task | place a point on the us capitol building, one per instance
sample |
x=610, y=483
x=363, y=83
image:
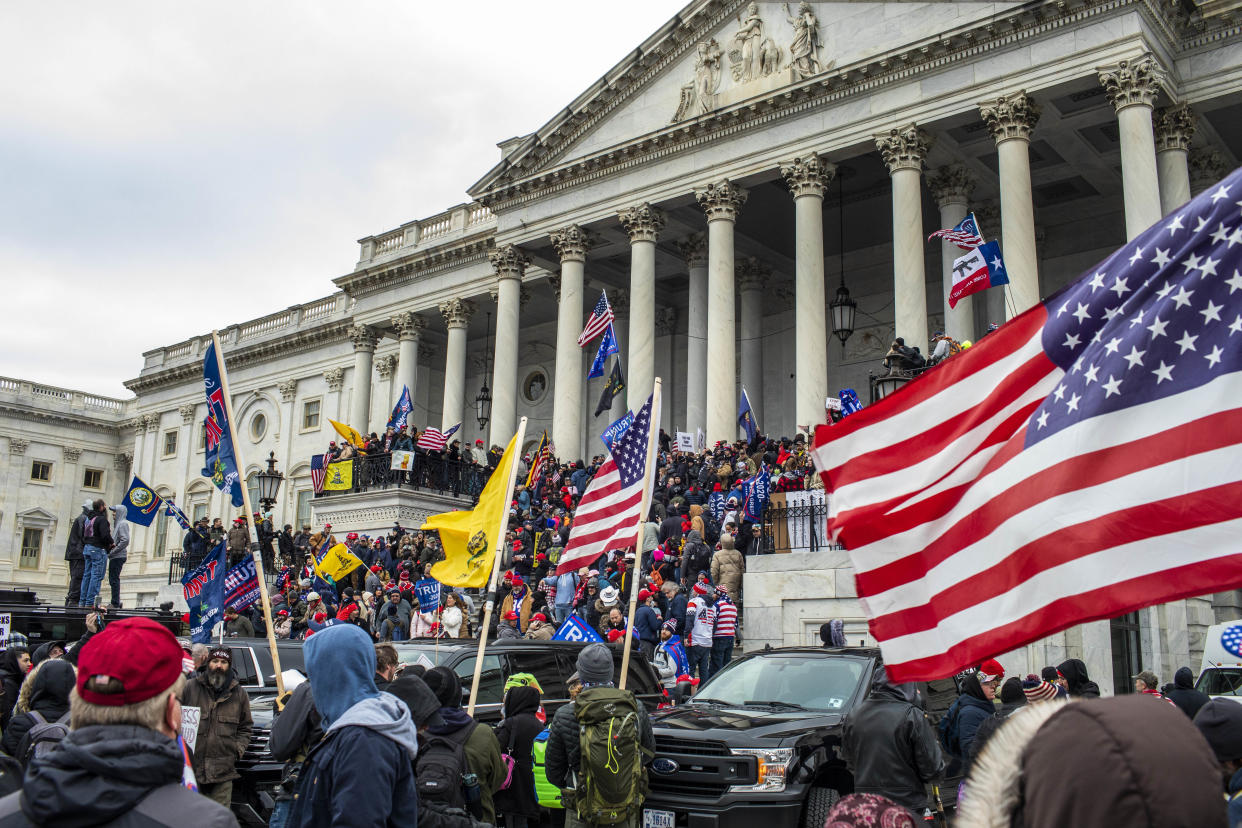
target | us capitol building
x=723, y=182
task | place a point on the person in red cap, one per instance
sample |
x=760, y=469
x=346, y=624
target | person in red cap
x=540, y=628
x=224, y=724
x=508, y=626
x=122, y=763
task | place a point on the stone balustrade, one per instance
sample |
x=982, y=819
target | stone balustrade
x=450, y=225
x=51, y=398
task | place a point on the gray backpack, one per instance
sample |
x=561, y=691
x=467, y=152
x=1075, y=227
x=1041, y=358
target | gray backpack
x=42, y=736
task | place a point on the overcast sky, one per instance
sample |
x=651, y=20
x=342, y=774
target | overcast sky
x=166, y=168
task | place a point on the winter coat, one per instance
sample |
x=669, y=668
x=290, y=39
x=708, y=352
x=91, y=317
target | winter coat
x=544, y=633
x=239, y=538
x=647, y=624
x=516, y=737
x=49, y=697
x=525, y=609
x=563, y=754
x=1184, y=694
x=451, y=619
x=120, y=535
x=728, y=565
x=73, y=549
x=1080, y=685
x=482, y=755
x=11, y=678
x=111, y=776
x=889, y=746
x=239, y=627
x=696, y=557
x=971, y=713
x=224, y=727
x=102, y=532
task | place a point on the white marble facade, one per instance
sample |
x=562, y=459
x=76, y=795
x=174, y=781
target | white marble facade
x=721, y=182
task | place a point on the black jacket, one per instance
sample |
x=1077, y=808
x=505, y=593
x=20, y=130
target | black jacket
x=102, y=537
x=516, y=735
x=11, y=678
x=1080, y=686
x=49, y=697
x=890, y=748
x=73, y=549
x=120, y=776
x=1184, y=694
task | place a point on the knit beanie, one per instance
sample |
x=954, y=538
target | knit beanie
x=445, y=684
x=1220, y=722
x=1037, y=689
x=595, y=664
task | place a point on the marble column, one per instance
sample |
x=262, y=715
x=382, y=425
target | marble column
x=903, y=150
x=989, y=304
x=364, y=340
x=571, y=245
x=642, y=223
x=509, y=263
x=666, y=347
x=694, y=249
x=751, y=281
x=410, y=327
x=386, y=371
x=721, y=202
x=1011, y=119
x=1207, y=167
x=1132, y=87
x=808, y=176
x=1174, y=127
x=951, y=186
x=456, y=313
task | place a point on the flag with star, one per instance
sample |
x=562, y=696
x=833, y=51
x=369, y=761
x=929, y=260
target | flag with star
x=1082, y=462
x=203, y=589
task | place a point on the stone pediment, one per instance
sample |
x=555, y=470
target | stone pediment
x=716, y=54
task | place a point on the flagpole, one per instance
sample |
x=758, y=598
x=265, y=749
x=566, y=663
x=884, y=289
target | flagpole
x=653, y=434
x=496, y=558
x=254, y=531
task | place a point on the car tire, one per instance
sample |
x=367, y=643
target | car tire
x=818, y=803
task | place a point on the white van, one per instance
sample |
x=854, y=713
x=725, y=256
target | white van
x=1221, y=673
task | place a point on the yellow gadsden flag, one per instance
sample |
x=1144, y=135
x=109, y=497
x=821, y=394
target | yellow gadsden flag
x=349, y=433
x=469, y=538
x=337, y=562
x=339, y=477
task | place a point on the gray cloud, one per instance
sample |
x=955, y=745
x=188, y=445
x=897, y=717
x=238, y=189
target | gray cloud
x=168, y=168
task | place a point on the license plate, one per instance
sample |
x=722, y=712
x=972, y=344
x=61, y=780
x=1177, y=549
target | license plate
x=658, y=819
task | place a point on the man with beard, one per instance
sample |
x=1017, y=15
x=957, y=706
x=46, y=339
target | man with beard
x=223, y=727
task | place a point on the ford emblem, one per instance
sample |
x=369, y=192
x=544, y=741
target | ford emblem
x=666, y=767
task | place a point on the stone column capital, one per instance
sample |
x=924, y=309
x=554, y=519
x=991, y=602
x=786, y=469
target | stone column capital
x=808, y=175
x=571, y=243
x=693, y=249
x=987, y=217
x=334, y=377
x=151, y=422
x=1207, y=166
x=665, y=321
x=457, y=312
x=287, y=390
x=1010, y=116
x=18, y=446
x=751, y=274
x=385, y=365
x=642, y=222
x=363, y=337
x=409, y=325
x=1132, y=82
x=71, y=454
x=951, y=184
x=1174, y=127
x=903, y=148
x=509, y=261
x=426, y=352
x=620, y=302
x=187, y=413
x=721, y=200
x=123, y=460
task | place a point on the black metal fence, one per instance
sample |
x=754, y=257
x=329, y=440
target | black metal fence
x=426, y=473
x=796, y=528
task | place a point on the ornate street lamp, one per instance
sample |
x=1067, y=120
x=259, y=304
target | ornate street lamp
x=843, y=307
x=483, y=402
x=269, y=483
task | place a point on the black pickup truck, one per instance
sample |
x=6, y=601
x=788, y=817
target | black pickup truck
x=759, y=743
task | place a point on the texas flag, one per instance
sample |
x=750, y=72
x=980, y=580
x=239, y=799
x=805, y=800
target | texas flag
x=979, y=269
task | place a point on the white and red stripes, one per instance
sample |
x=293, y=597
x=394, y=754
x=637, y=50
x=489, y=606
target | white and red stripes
x=605, y=519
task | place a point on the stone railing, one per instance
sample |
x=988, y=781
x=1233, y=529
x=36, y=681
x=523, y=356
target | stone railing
x=450, y=225
x=51, y=398
x=266, y=325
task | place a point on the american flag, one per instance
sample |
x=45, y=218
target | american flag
x=1082, y=462
x=965, y=235
x=318, y=471
x=601, y=318
x=607, y=516
x=541, y=455
x=433, y=439
x=241, y=585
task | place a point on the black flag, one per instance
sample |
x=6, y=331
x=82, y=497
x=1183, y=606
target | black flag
x=614, y=386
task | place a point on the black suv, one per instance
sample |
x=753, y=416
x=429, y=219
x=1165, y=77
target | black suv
x=760, y=741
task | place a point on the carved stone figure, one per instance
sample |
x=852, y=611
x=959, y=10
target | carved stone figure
x=752, y=56
x=707, y=71
x=804, y=51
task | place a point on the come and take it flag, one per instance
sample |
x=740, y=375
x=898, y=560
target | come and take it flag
x=241, y=585
x=400, y=416
x=1082, y=462
x=965, y=235
x=607, y=516
x=142, y=504
x=978, y=270
x=339, y=476
x=613, y=387
x=221, y=462
x=469, y=538
x=599, y=321
x=607, y=347
x=203, y=589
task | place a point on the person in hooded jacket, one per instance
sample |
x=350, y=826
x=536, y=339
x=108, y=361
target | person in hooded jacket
x=118, y=553
x=974, y=706
x=73, y=554
x=49, y=698
x=481, y=747
x=14, y=664
x=728, y=566
x=1184, y=695
x=361, y=774
x=516, y=735
x=1078, y=684
x=889, y=745
x=696, y=557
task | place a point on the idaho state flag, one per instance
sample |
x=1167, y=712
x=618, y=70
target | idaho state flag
x=142, y=504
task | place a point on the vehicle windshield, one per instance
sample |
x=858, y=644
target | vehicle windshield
x=1221, y=681
x=780, y=681
x=418, y=654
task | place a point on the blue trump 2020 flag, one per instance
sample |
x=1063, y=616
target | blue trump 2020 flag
x=400, y=416
x=203, y=589
x=241, y=585
x=607, y=347
x=758, y=491
x=575, y=629
x=221, y=462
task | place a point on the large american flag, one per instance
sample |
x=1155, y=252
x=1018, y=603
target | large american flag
x=601, y=318
x=433, y=439
x=318, y=471
x=1081, y=462
x=607, y=516
x=965, y=235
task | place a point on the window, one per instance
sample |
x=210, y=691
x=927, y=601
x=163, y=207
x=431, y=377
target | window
x=252, y=485
x=541, y=665
x=170, y=443
x=161, y=535
x=310, y=415
x=199, y=510
x=1127, y=650
x=32, y=543
x=41, y=471
x=304, y=508
x=202, y=437
x=535, y=386
x=491, y=680
x=258, y=427
x=92, y=479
